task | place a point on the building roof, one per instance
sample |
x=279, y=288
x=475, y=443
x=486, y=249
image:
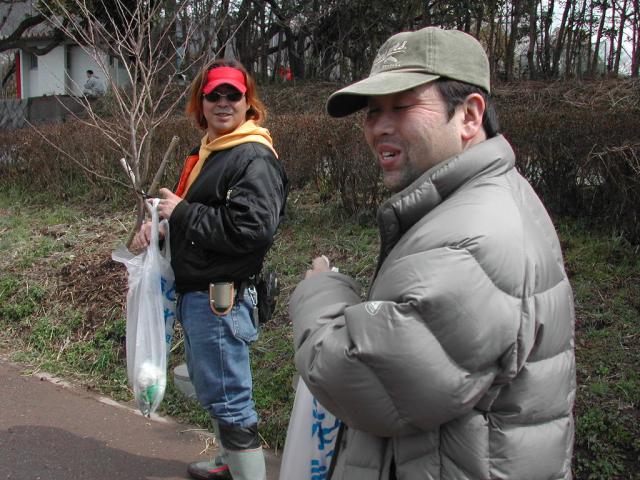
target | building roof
x=11, y=14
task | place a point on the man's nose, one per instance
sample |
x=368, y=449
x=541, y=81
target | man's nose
x=382, y=123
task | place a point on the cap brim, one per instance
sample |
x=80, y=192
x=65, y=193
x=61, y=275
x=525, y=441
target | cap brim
x=209, y=87
x=354, y=97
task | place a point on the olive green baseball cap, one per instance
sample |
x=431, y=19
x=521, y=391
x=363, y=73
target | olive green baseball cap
x=410, y=59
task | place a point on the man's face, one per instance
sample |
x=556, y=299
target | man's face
x=409, y=132
x=224, y=115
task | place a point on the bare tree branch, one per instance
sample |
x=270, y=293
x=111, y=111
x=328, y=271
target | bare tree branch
x=141, y=38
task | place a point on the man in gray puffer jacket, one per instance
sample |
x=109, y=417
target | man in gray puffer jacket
x=460, y=365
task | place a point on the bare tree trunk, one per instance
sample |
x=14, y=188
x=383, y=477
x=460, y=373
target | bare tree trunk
x=479, y=19
x=243, y=38
x=611, y=35
x=491, y=48
x=546, y=29
x=635, y=49
x=298, y=65
x=596, y=48
x=277, y=62
x=501, y=40
x=557, y=51
x=296, y=62
x=264, y=58
x=590, y=37
x=569, y=54
x=513, y=39
x=223, y=29
x=623, y=21
x=140, y=210
x=467, y=19
x=533, y=35
x=580, y=45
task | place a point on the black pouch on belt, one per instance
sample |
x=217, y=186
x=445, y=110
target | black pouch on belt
x=268, y=289
x=221, y=297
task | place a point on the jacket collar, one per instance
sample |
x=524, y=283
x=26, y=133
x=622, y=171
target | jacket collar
x=400, y=212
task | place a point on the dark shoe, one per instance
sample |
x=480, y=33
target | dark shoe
x=209, y=471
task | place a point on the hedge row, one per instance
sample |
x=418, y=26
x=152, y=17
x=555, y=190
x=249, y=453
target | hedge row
x=583, y=158
x=580, y=152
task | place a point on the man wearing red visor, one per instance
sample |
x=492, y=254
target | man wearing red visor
x=223, y=216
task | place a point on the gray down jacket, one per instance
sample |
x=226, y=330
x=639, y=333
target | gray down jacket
x=460, y=366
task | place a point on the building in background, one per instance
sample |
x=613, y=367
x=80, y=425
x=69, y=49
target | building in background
x=60, y=71
x=45, y=73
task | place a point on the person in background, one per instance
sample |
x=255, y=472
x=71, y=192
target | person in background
x=460, y=363
x=93, y=87
x=222, y=218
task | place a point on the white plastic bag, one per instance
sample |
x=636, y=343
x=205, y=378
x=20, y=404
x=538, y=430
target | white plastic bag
x=311, y=439
x=150, y=316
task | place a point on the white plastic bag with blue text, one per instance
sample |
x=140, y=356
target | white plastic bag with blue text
x=150, y=316
x=311, y=439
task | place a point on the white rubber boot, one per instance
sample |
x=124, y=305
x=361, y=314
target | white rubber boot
x=222, y=453
x=247, y=464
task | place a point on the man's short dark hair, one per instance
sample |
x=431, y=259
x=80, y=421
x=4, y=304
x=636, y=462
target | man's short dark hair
x=454, y=93
x=90, y=72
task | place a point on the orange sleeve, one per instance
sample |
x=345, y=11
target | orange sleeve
x=189, y=163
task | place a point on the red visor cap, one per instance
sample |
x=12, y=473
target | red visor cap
x=221, y=75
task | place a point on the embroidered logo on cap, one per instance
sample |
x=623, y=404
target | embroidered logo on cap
x=387, y=57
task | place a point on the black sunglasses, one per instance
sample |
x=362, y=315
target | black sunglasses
x=214, y=96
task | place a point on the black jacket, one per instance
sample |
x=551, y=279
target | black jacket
x=225, y=225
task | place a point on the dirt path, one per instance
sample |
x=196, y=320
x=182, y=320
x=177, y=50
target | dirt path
x=52, y=431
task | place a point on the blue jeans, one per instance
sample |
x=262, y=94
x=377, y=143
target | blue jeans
x=217, y=352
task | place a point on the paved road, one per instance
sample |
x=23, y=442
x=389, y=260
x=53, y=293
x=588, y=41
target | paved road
x=52, y=431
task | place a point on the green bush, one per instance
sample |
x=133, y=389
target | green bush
x=330, y=154
x=73, y=160
x=578, y=144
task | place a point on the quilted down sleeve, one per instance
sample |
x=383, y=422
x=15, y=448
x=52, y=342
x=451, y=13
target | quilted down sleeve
x=424, y=352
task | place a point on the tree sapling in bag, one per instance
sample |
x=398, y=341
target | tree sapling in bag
x=150, y=316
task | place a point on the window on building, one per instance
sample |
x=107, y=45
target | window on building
x=33, y=59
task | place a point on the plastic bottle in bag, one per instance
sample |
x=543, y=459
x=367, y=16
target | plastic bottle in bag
x=151, y=382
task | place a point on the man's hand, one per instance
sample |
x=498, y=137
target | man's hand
x=142, y=238
x=168, y=201
x=318, y=265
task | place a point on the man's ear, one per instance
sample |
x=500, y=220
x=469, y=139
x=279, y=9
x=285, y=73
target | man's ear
x=472, y=112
